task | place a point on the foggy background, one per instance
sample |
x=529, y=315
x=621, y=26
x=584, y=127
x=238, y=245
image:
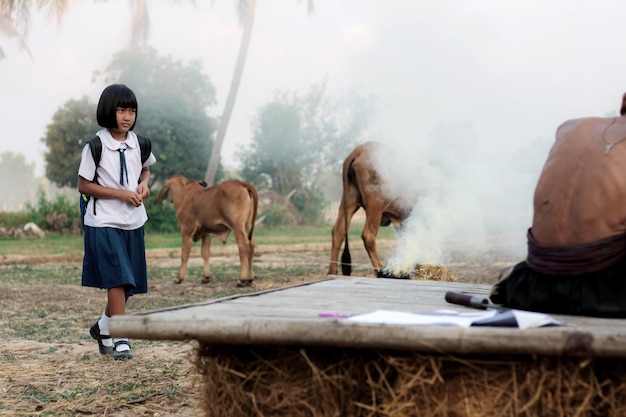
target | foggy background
x=470, y=92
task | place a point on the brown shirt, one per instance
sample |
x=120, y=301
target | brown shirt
x=581, y=193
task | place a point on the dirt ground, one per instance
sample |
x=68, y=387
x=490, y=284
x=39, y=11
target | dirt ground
x=63, y=374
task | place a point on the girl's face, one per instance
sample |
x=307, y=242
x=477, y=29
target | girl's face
x=125, y=117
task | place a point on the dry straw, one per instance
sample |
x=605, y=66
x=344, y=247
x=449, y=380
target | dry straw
x=433, y=273
x=319, y=381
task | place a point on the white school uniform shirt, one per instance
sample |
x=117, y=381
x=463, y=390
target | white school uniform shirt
x=114, y=212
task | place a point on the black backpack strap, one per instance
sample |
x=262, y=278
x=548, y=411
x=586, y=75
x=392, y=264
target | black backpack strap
x=146, y=148
x=95, y=146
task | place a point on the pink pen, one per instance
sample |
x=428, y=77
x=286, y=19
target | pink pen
x=332, y=315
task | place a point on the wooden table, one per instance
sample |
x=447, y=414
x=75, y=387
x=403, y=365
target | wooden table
x=290, y=316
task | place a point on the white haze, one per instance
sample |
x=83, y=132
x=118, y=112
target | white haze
x=463, y=85
x=465, y=197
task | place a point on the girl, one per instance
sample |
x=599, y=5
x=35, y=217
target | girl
x=115, y=257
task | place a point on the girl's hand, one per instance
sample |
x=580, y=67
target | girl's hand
x=131, y=197
x=143, y=190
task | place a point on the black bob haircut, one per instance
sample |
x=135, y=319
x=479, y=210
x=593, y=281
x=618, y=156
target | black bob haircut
x=114, y=96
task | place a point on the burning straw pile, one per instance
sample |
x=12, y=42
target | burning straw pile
x=295, y=382
x=433, y=273
x=421, y=272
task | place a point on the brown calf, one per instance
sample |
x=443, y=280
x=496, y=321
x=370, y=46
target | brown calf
x=229, y=205
x=363, y=187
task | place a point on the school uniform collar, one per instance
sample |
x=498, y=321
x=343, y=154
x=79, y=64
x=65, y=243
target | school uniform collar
x=112, y=144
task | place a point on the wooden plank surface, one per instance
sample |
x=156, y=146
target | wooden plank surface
x=290, y=316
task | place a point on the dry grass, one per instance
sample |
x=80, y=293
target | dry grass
x=69, y=379
x=51, y=367
x=299, y=382
x=434, y=273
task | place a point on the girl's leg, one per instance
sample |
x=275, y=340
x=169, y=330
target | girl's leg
x=116, y=306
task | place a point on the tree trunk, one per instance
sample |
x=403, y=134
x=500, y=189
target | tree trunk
x=214, y=161
x=140, y=26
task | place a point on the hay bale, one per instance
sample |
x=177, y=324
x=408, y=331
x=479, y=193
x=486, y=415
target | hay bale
x=31, y=229
x=433, y=273
x=321, y=381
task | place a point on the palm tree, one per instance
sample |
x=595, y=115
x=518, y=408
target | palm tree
x=140, y=25
x=15, y=18
x=246, y=17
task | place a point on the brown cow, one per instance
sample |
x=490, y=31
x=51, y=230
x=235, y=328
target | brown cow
x=229, y=205
x=362, y=187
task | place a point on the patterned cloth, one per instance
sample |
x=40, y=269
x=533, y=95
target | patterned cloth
x=576, y=259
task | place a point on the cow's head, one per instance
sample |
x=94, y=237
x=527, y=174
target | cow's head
x=172, y=187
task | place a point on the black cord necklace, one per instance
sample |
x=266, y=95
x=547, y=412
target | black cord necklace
x=610, y=145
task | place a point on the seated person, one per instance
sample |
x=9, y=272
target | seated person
x=576, y=261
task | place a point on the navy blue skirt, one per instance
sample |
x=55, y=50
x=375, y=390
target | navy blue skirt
x=115, y=258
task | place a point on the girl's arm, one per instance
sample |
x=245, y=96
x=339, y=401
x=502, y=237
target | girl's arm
x=98, y=191
x=144, y=181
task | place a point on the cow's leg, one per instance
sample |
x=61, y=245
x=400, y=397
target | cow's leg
x=339, y=233
x=205, y=251
x=251, y=258
x=370, y=231
x=245, y=259
x=184, y=256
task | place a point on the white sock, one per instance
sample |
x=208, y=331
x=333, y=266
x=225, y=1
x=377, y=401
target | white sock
x=103, y=323
x=122, y=347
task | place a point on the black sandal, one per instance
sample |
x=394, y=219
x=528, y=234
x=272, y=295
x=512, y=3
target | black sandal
x=94, y=331
x=124, y=354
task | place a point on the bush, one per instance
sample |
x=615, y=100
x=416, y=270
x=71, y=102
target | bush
x=59, y=215
x=12, y=219
x=162, y=217
x=62, y=214
x=275, y=216
x=310, y=203
x=304, y=208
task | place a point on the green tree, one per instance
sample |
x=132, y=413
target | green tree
x=297, y=139
x=275, y=158
x=22, y=182
x=72, y=125
x=173, y=100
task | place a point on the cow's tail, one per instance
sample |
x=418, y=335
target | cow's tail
x=346, y=259
x=255, y=207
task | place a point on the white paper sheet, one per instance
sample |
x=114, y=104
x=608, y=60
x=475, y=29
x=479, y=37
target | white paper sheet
x=529, y=319
x=524, y=319
x=442, y=318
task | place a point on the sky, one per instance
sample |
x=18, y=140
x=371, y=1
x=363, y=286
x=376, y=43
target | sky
x=500, y=74
x=515, y=70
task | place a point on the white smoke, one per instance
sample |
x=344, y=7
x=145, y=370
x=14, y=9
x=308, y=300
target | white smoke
x=466, y=197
